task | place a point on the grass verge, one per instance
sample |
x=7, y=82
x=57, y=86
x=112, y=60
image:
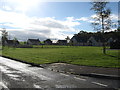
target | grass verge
x=80, y=55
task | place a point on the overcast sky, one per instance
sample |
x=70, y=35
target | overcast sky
x=25, y=19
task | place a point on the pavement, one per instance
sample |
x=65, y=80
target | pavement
x=17, y=75
x=91, y=71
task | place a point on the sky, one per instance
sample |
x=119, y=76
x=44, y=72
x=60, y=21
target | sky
x=24, y=19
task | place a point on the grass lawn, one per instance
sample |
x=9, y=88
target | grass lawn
x=80, y=55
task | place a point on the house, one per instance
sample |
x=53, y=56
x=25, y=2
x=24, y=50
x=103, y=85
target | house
x=109, y=41
x=95, y=41
x=48, y=42
x=33, y=42
x=89, y=40
x=12, y=42
x=78, y=41
x=115, y=44
x=62, y=42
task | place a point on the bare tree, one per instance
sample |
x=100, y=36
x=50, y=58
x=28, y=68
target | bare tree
x=68, y=39
x=102, y=21
x=4, y=36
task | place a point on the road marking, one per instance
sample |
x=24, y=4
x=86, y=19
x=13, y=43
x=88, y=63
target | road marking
x=80, y=78
x=100, y=84
x=64, y=74
x=4, y=86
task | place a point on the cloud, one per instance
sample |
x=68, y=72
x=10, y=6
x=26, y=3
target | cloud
x=23, y=36
x=18, y=24
x=19, y=5
x=114, y=17
x=90, y=19
x=93, y=16
x=24, y=27
x=14, y=19
x=83, y=19
x=49, y=22
x=70, y=19
x=71, y=22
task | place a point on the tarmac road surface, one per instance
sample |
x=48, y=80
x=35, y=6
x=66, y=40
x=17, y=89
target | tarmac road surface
x=14, y=74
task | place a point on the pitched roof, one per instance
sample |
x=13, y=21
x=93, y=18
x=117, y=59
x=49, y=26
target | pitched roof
x=64, y=41
x=84, y=39
x=12, y=42
x=47, y=40
x=98, y=38
x=34, y=40
x=81, y=39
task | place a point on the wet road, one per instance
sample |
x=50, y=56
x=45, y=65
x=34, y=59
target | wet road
x=15, y=74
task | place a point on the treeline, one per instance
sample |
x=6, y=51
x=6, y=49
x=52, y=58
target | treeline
x=115, y=35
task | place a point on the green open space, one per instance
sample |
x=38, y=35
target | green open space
x=80, y=55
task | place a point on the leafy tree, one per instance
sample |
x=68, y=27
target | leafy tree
x=102, y=20
x=82, y=32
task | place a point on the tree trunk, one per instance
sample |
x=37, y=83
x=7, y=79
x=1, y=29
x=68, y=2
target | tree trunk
x=104, y=46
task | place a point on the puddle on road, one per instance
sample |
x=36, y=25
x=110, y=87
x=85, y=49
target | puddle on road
x=3, y=69
x=13, y=64
x=3, y=86
x=17, y=79
x=65, y=86
x=15, y=76
x=11, y=73
x=8, y=70
x=37, y=86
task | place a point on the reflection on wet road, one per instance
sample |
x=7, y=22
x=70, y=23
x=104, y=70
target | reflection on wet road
x=19, y=75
